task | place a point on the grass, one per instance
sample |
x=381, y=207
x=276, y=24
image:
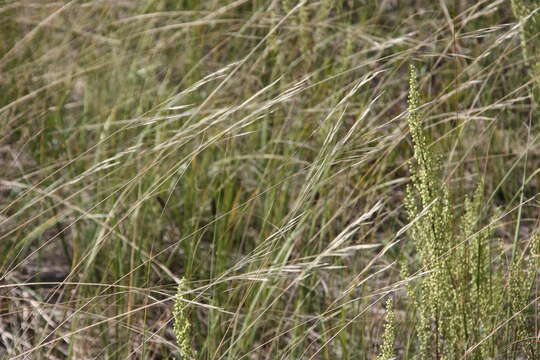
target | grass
x=236, y=172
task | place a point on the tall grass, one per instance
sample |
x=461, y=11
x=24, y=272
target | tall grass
x=228, y=180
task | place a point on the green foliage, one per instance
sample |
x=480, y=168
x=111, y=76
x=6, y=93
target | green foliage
x=466, y=287
x=428, y=207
